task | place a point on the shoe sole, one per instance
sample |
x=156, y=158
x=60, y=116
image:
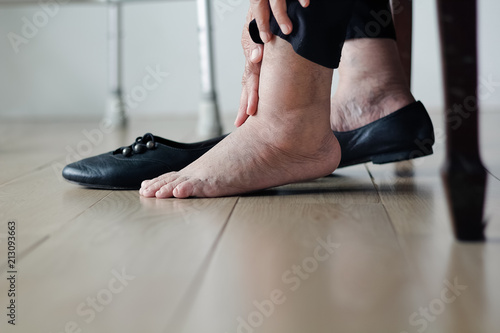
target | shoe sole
x=102, y=187
x=392, y=157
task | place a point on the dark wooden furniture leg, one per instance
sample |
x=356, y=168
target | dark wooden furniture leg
x=403, y=22
x=463, y=173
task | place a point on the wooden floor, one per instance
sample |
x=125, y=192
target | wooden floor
x=360, y=251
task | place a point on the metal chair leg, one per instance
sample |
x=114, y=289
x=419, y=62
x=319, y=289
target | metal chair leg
x=115, y=115
x=209, y=124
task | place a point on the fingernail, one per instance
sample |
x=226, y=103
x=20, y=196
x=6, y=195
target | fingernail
x=264, y=36
x=255, y=54
x=285, y=29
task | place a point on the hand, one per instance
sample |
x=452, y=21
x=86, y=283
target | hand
x=254, y=53
x=250, y=82
x=262, y=10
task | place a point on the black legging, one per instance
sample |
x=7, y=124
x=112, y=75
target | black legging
x=319, y=31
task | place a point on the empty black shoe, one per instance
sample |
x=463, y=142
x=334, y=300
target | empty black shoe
x=405, y=134
x=127, y=167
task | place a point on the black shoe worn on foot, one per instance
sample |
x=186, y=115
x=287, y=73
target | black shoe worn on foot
x=402, y=135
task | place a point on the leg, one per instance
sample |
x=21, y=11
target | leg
x=288, y=140
x=403, y=21
x=463, y=174
x=370, y=87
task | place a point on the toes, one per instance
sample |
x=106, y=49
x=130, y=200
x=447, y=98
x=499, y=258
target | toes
x=149, y=188
x=166, y=191
x=184, y=190
x=145, y=184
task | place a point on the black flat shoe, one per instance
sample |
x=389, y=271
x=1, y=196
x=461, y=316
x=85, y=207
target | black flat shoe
x=127, y=167
x=402, y=135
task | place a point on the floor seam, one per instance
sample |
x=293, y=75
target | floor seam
x=391, y=222
x=38, y=243
x=195, y=285
x=41, y=167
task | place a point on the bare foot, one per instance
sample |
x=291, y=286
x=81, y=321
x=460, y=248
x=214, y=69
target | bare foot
x=370, y=87
x=288, y=140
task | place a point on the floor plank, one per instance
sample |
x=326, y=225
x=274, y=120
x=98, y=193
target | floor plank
x=33, y=191
x=417, y=208
x=419, y=214
x=41, y=203
x=195, y=271
x=161, y=244
x=364, y=277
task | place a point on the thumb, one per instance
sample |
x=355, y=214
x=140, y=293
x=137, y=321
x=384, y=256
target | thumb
x=257, y=54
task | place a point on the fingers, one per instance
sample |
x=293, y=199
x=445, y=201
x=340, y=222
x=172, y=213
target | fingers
x=253, y=52
x=257, y=54
x=253, y=92
x=250, y=82
x=262, y=12
x=240, y=119
x=304, y=3
x=242, y=111
x=278, y=8
x=253, y=101
x=250, y=93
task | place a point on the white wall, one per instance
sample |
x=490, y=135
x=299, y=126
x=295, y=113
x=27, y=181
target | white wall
x=62, y=70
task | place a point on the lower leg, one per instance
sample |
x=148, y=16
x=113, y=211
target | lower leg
x=372, y=83
x=288, y=140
